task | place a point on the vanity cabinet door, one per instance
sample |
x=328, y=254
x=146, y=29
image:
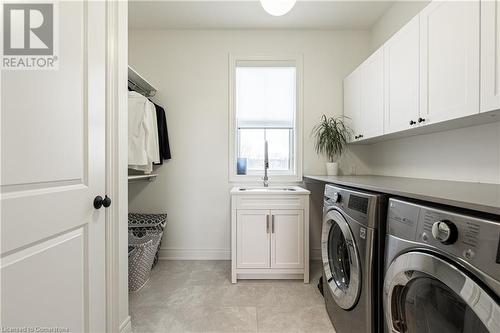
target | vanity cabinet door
x=490, y=55
x=287, y=239
x=253, y=236
x=449, y=60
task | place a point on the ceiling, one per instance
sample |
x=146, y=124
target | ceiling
x=246, y=14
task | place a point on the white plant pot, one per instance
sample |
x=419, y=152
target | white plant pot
x=332, y=169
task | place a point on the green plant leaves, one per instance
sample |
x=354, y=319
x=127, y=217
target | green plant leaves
x=331, y=136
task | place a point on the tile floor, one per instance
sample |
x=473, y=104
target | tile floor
x=197, y=296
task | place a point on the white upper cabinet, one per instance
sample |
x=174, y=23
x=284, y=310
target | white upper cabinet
x=449, y=60
x=372, y=96
x=490, y=55
x=441, y=66
x=352, y=101
x=364, y=98
x=402, y=78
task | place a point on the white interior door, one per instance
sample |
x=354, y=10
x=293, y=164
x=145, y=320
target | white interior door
x=253, y=239
x=287, y=238
x=401, y=67
x=372, y=95
x=53, y=165
x=490, y=55
x=449, y=60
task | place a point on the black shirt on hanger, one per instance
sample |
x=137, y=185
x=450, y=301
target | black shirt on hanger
x=161, y=120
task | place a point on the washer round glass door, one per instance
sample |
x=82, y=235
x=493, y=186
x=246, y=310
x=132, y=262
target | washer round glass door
x=425, y=294
x=340, y=260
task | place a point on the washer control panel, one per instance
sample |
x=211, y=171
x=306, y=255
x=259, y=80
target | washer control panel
x=359, y=205
x=474, y=240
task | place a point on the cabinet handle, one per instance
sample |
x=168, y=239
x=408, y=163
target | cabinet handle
x=412, y=122
x=267, y=223
x=421, y=120
x=272, y=224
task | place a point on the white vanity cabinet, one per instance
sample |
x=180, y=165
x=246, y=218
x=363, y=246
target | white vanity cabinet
x=270, y=233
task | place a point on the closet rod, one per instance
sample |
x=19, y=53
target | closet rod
x=137, y=83
x=149, y=177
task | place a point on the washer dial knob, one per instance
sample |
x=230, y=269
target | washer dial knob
x=445, y=231
x=336, y=197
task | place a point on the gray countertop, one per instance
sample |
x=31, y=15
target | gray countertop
x=475, y=196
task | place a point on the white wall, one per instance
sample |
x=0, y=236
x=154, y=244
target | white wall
x=467, y=154
x=394, y=19
x=190, y=69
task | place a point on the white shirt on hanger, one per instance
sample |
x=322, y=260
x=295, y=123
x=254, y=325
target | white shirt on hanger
x=143, y=145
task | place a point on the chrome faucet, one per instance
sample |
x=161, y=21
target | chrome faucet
x=266, y=165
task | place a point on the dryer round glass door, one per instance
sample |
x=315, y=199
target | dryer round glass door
x=340, y=260
x=425, y=294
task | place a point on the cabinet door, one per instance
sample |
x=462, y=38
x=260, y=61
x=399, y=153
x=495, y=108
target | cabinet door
x=253, y=239
x=449, y=55
x=352, y=101
x=287, y=239
x=401, y=76
x=371, y=120
x=490, y=55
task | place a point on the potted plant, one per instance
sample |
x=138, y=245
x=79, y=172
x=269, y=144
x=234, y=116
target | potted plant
x=331, y=136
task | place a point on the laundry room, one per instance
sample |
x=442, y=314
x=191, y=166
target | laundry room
x=250, y=166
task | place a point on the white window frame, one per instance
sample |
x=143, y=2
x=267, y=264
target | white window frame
x=261, y=61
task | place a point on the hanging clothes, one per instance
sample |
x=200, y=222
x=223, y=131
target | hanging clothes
x=143, y=144
x=164, y=146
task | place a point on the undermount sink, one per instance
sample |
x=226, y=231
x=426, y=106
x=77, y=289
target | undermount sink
x=269, y=190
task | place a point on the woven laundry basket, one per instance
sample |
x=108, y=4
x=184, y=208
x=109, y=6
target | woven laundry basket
x=139, y=224
x=142, y=251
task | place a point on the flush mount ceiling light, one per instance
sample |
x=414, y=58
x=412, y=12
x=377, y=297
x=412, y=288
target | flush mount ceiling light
x=277, y=7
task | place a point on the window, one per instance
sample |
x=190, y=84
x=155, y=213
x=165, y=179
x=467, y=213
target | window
x=265, y=106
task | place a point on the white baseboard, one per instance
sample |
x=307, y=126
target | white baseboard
x=211, y=254
x=126, y=326
x=195, y=254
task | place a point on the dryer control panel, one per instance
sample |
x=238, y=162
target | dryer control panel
x=472, y=239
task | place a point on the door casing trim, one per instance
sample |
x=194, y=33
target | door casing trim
x=117, y=312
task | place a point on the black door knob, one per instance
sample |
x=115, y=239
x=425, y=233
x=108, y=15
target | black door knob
x=99, y=202
x=421, y=120
x=412, y=122
x=106, y=202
